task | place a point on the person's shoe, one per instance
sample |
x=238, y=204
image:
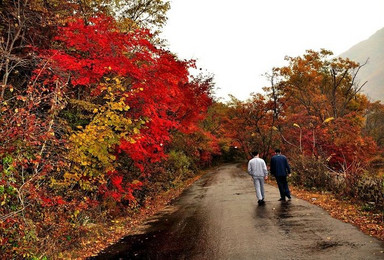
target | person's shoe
x=259, y=202
x=262, y=202
x=289, y=197
x=282, y=199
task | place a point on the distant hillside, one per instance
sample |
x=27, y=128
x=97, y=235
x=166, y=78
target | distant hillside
x=373, y=72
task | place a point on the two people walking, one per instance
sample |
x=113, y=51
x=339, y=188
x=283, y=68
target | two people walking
x=279, y=168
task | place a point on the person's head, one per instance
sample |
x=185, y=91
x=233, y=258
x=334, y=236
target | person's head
x=277, y=151
x=255, y=153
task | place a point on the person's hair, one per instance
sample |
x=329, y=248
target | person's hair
x=277, y=151
x=254, y=153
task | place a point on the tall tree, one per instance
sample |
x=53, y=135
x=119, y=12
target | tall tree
x=323, y=86
x=143, y=13
x=251, y=124
x=321, y=94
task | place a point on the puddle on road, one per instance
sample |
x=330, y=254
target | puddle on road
x=284, y=210
x=293, y=219
x=327, y=244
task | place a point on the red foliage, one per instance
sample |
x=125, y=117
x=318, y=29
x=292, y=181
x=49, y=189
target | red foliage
x=161, y=93
x=340, y=141
x=85, y=57
x=96, y=49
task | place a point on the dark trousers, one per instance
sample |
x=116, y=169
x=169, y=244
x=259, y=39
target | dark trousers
x=282, y=183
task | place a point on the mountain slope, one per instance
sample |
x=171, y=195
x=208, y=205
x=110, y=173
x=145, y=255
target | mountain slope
x=373, y=72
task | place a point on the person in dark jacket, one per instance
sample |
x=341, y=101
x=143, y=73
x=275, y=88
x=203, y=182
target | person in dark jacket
x=280, y=169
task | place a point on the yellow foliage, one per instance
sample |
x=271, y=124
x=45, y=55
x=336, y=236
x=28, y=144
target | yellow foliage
x=328, y=119
x=92, y=146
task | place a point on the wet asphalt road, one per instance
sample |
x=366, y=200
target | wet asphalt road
x=218, y=218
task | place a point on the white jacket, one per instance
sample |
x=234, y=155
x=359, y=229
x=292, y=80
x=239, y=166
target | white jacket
x=257, y=167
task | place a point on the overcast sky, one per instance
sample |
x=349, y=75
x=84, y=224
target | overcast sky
x=240, y=40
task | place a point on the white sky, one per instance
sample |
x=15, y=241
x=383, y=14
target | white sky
x=239, y=40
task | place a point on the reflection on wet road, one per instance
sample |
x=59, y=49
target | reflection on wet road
x=218, y=218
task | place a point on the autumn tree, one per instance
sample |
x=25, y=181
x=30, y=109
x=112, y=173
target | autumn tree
x=127, y=98
x=322, y=93
x=94, y=109
x=325, y=87
x=215, y=123
x=375, y=122
x=22, y=27
x=143, y=13
x=251, y=124
x=27, y=25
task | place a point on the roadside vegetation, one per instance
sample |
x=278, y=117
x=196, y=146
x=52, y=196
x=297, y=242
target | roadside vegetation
x=101, y=124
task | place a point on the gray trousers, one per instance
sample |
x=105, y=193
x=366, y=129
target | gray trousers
x=259, y=186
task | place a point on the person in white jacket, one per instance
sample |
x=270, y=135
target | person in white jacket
x=258, y=170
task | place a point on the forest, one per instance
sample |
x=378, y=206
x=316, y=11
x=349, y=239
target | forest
x=97, y=117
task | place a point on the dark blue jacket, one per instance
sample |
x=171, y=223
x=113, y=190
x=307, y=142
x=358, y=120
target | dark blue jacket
x=279, y=165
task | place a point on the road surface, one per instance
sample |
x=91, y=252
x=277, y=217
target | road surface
x=218, y=218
